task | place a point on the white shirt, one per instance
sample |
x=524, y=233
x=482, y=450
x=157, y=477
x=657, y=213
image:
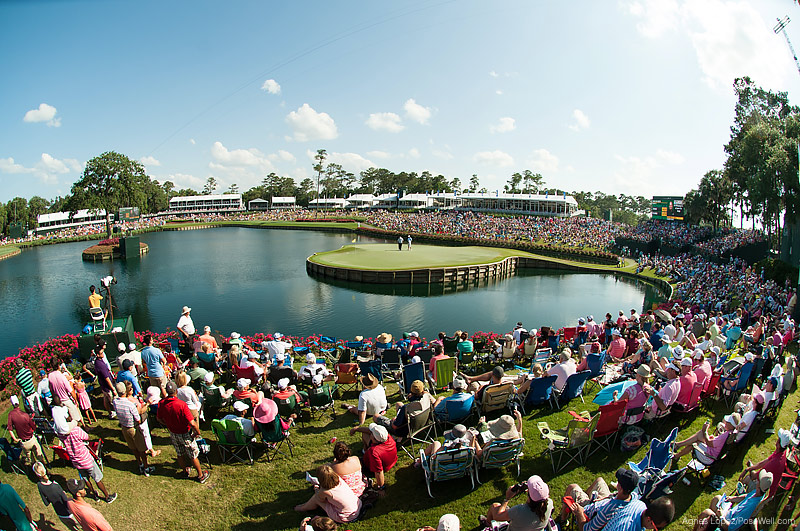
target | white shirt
x=44, y=390
x=562, y=372
x=245, y=363
x=135, y=356
x=747, y=420
x=188, y=395
x=247, y=424
x=277, y=346
x=186, y=324
x=60, y=414
x=313, y=369
x=516, y=333
x=373, y=401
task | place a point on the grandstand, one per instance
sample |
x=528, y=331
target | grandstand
x=207, y=203
x=62, y=220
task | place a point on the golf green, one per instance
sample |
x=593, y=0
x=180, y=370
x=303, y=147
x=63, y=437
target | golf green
x=386, y=257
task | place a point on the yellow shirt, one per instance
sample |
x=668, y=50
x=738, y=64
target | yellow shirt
x=94, y=300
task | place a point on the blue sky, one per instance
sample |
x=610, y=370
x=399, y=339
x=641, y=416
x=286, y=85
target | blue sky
x=629, y=96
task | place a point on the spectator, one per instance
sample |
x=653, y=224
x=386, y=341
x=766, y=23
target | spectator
x=637, y=515
x=666, y=396
x=312, y=368
x=348, y=467
x=24, y=379
x=478, y=383
x=60, y=387
x=208, y=384
x=380, y=451
x=438, y=354
x=464, y=345
x=532, y=515
x=775, y=464
x=593, y=511
x=75, y=444
x=457, y=406
x=562, y=370
x=12, y=506
x=62, y=418
x=127, y=374
x=52, y=493
x=636, y=396
x=247, y=424
x=448, y=522
x=702, y=369
x=106, y=379
x=504, y=428
x=736, y=512
x=130, y=417
x=704, y=446
x=154, y=362
x=318, y=523
x=371, y=401
x=332, y=496
x=183, y=430
x=457, y=437
x=284, y=392
x=187, y=394
x=133, y=355
x=616, y=347
x=687, y=380
x=22, y=430
x=398, y=427
x=87, y=516
x=195, y=371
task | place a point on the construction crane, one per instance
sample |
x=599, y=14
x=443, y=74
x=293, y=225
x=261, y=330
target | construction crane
x=780, y=27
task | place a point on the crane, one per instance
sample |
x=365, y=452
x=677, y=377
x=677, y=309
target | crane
x=780, y=27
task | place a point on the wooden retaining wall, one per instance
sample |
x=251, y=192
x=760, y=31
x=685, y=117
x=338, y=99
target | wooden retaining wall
x=9, y=255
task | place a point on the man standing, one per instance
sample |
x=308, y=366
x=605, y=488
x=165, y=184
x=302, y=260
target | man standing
x=83, y=460
x=127, y=375
x=130, y=420
x=86, y=515
x=183, y=430
x=106, y=379
x=61, y=388
x=22, y=429
x=186, y=327
x=276, y=346
x=133, y=355
x=399, y=243
x=408, y=239
x=24, y=379
x=154, y=362
x=208, y=338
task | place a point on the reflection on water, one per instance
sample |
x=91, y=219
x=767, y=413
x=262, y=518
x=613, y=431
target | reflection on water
x=250, y=280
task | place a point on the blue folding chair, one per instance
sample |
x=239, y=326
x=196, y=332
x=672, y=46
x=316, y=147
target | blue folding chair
x=372, y=367
x=596, y=364
x=658, y=456
x=742, y=379
x=540, y=392
x=553, y=341
x=573, y=387
x=411, y=372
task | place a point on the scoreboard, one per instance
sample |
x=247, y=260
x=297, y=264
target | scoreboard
x=667, y=207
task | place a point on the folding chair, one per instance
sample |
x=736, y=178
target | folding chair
x=445, y=372
x=701, y=461
x=249, y=373
x=232, y=442
x=605, y=435
x=289, y=405
x=98, y=319
x=595, y=362
x=539, y=393
x=495, y=397
x=742, y=379
x=212, y=399
x=458, y=412
x=421, y=427
x=390, y=362
x=542, y=356
x=500, y=453
x=12, y=456
x=328, y=346
x=273, y=435
x=658, y=456
x=45, y=428
x=321, y=400
x=694, y=402
x=277, y=374
x=372, y=367
x=454, y=463
x=346, y=376
x=411, y=372
x=425, y=355
x=568, y=444
x=573, y=388
x=711, y=388
x=450, y=345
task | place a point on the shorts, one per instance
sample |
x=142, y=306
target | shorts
x=74, y=412
x=583, y=499
x=185, y=445
x=158, y=381
x=135, y=439
x=95, y=473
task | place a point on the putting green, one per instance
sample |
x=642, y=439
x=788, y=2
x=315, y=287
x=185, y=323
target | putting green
x=386, y=257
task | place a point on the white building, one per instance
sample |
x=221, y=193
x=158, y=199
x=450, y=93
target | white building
x=62, y=220
x=561, y=206
x=328, y=202
x=286, y=202
x=207, y=203
x=278, y=203
x=361, y=201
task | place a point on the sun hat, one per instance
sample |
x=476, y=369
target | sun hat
x=537, y=488
x=265, y=411
x=686, y=362
x=241, y=383
x=121, y=347
x=698, y=354
x=75, y=485
x=316, y=380
x=280, y=356
x=643, y=371
x=209, y=377
x=14, y=400
x=311, y=358
x=459, y=383
x=458, y=431
x=185, y=310
x=627, y=479
x=615, y=332
x=379, y=433
x=385, y=337
x=716, y=350
x=673, y=367
x=449, y=522
x=359, y=338
x=153, y=394
x=417, y=387
x=120, y=387
x=369, y=381
x=785, y=437
x=764, y=480
x=235, y=335
x=240, y=406
x=283, y=383
x=504, y=428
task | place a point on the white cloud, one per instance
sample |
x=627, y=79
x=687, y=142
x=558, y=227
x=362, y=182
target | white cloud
x=379, y=154
x=271, y=86
x=645, y=175
x=498, y=92
x=581, y=120
x=670, y=157
x=150, y=161
x=350, y=161
x=48, y=168
x=308, y=124
x=730, y=38
x=45, y=113
x=543, y=161
x=493, y=73
x=504, y=125
x=413, y=153
x=192, y=142
x=283, y=155
x=385, y=121
x=441, y=154
x=493, y=158
x=238, y=157
x=417, y=112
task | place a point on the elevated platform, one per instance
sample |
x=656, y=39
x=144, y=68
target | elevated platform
x=86, y=341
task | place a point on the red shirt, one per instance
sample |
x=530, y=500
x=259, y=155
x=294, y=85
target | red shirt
x=776, y=463
x=175, y=415
x=22, y=423
x=381, y=457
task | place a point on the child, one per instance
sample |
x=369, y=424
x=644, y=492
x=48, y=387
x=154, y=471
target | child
x=83, y=401
x=51, y=492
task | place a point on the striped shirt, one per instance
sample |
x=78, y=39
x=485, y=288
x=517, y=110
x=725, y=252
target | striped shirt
x=127, y=412
x=628, y=517
x=75, y=445
x=601, y=512
x=24, y=380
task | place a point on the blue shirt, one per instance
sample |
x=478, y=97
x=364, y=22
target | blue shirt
x=151, y=357
x=741, y=513
x=127, y=376
x=628, y=517
x=459, y=408
x=657, y=339
x=598, y=514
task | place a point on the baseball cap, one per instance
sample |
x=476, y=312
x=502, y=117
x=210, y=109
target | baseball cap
x=280, y=356
x=171, y=387
x=673, y=367
x=120, y=387
x=75, y=485
x=241, y=383
x=283, y=383
x=627, y=479
x=698, y=354
x=317, y=379
x=537, y=488
x=239, y=406
x=459, y=383
x=14, y=400
x=686, y=362
x=121, y=347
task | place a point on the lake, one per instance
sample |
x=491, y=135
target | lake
x=254, y=280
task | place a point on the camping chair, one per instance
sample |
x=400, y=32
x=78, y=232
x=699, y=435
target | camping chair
x=425, y=354
x=596, y=362
x=354, y=345
x=232, y=442
x=421, y=427
x=605, y=435
x=542, y=356
x=495, y=397
x=277, y=374
x=466, y=360
x=328, y=346
x=453, y=463
x=372, y=367
x=347, y=376
x=539, y=393
x=445, y=372
x=390, y=362
x=742, y=379
x=12, y=456
x=273, y=435
x=567, y=445
x=655, y=485
x=701, y=462
x=289, y=405
x=321, y=400
x=345, y=356
x=98, y=319
x=454, y=413
x=658, y=456
x=212, y=399
x=45, y=428
x=450, y=345
x=711, y=387
x=500, y=453
x=573, y=388
x=249, y=373
x=694, y=402
x=411, y=372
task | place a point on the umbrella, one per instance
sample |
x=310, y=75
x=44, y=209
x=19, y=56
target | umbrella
x=663, y=315
x=606, y=394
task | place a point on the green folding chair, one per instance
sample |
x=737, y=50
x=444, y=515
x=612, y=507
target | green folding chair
x=232, y=442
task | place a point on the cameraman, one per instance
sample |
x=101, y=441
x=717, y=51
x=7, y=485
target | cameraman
x=532, y=515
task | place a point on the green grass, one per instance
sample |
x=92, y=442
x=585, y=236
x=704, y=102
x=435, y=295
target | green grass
x=262, y=497
x=385, y=256
x=8, y=249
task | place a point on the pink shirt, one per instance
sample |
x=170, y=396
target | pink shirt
x=703, y=373
x=616, y=348
x=669, y=391
x=75, y=445
x=59, y=385
x=687, y=382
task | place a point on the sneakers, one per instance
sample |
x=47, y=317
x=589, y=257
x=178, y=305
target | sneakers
x=204, y=476
x=146, y=471
x=111, y=497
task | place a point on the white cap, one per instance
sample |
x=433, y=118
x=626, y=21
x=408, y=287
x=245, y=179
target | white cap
x=686, y=362
x=240, y=406
x=673, y=367
x=131, y=346
x=677, y=352
x=380, y=433
x=414, y=334
x=121, y=347
x=206, y=328
x=14, y=400
x=277, y=335
x=749, y=356
x=317, y=379
x=416, y=359
x=615, y=332
x=242, y=383
x=209, y=377
x=737, y=321
x=235, y=335
x=715, y=350
x=698, y=354
x=283, y=383
x=311, y=358
x=785, y=436
x=280, y=356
